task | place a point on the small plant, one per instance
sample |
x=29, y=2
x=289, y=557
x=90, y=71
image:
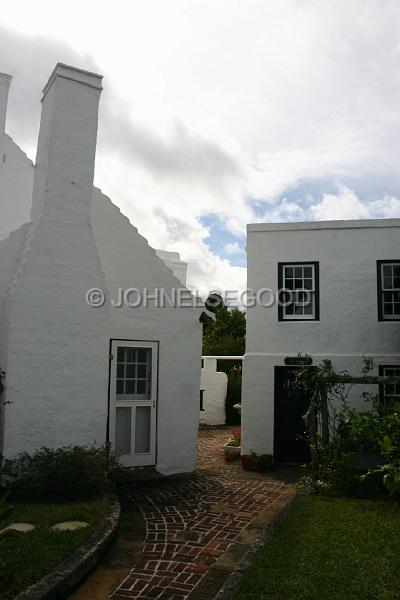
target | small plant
x=262, y=462
x=68, y=473
x=235, y=440
x=257, y=462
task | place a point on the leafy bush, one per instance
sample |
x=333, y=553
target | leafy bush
x=389, y=471
x=68, y=473
x=361, y=437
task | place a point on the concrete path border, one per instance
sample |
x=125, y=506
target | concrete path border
x=70, y=573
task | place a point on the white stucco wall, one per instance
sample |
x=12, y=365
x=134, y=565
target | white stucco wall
x=16, y=173
x=16, y=182
x=348, y=327
x=214, y=385
x=54, y=347
x=57, y=359
x=174, y=262
x=129, y=262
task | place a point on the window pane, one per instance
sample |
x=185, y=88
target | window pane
x=396, y=270
x=308, y=285
x=141, y=371
x=298, y=284
x=289, y=309
x=308, y=309
x=288, y=271
x=387, y=283
x=121, y=355
x=142, y=430
x=388, y=309
x=130, y=355
x=131, y=371
x=123, y=430
x=141, y=386
x=289, y=284
x=298, y=272
x=143, y=355
x=298, y=310
x=396, y=309
x=130, y=386
x=387, y=271
x=136, y=365
x=307, y=271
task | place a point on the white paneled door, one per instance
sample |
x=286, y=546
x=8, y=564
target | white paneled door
x=133, y=402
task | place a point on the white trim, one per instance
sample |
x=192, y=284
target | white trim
x=306, y=225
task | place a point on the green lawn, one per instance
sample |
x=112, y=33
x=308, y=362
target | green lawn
x=27, y=557
x=329, y=549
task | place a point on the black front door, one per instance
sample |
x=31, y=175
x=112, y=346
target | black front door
x=291, y=404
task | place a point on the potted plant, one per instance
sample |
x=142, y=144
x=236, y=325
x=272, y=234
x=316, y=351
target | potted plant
x=262, y=462
x=232, y=447
x=247, y=461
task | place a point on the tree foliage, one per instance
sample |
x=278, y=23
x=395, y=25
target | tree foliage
x=225, y=335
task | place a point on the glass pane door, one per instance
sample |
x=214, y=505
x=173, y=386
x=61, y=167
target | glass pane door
x=133, y=402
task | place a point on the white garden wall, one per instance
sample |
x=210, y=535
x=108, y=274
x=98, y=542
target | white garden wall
x=214, y=385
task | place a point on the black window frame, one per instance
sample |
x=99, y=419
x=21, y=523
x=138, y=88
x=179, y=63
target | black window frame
x=379, y=264
x=305, y=263
x=382, y=385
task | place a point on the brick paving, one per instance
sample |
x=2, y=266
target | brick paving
x=193, y=522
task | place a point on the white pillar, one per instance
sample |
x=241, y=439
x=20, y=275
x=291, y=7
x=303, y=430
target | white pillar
x=5, y=81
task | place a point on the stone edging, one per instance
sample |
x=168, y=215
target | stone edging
x=65, y=578
x=247, y=559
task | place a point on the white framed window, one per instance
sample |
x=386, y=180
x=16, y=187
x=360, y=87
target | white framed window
x=389, y=290
x=299, y=296
x=133, y=379
x=390, y=392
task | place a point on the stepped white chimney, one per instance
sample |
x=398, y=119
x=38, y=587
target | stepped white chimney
x=5, y=81
x=67, y=144
x=65, y=375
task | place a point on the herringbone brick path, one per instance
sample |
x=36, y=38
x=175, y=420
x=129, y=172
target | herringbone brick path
x=190, y=523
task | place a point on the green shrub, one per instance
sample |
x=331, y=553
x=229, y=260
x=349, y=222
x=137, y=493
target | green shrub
x=390, y=470
x=68, y=473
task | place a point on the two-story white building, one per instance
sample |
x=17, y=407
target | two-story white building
x=350, y=271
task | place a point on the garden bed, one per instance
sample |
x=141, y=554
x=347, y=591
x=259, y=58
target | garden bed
x=328, y=549
x=28, y=557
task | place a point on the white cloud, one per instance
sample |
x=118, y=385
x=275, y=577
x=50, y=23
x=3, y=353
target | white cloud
x=344, y=205
x=233, y=248
x=213, y=103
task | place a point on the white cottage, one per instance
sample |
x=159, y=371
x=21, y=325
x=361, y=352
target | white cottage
x=78, y=374
x=351, y=271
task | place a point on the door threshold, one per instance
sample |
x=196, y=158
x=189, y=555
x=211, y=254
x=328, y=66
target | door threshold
x=140, y=474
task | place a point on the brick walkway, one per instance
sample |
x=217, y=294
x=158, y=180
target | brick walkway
x=192, y=523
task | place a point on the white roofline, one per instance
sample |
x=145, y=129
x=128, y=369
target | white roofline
x=309, y=225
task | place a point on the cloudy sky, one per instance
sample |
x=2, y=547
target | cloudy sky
x=217, y=113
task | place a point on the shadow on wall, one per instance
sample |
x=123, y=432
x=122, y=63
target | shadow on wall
x=233, y=395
